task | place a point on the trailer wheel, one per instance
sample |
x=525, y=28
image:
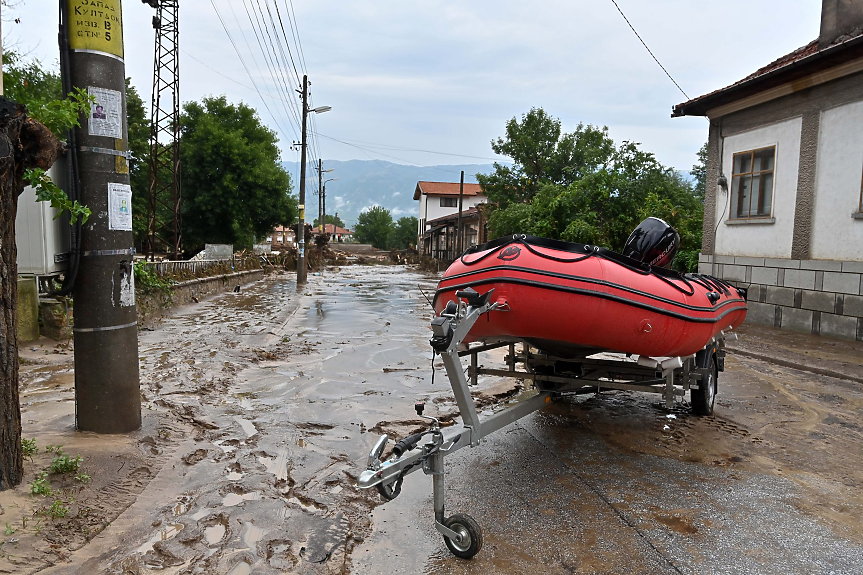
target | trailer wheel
x=704, y=397
x=470, y=535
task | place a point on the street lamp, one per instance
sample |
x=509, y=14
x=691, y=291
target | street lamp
x=324, y=200
x=301, y=227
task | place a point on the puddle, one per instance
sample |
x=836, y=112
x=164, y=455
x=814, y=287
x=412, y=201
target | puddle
x=180, y=508
x=228, y=449
x=161, y=535
x=252, y=534
x=198, y=515
x=232, y=499
x=214, y=534
x=248, y=427
x=234, y=476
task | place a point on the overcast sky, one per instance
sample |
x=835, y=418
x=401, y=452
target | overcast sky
x=446, y=76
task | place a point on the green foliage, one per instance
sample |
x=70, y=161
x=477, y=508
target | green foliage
x=330, y=219
x=374, y=226
x=62, y=463
x=9, y=529
x=28, y=447
x=83, y=478
x=47, y=191
x=138, y=122
x=41, y=485
x=404, y=234
x=582, y=187
x=147, y=282
x=57, y=510
x=60, y=115
x=699, y=171
x=30, y=82
x=234, y=186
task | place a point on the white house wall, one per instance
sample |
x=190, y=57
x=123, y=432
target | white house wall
x=431, y=209
x=762, y=239
x=835, y=234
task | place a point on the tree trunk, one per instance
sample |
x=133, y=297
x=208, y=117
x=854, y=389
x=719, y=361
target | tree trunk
x=24, y=143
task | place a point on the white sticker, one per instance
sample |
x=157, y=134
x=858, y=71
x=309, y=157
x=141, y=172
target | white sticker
x=120, y=207
x=105, y=117
x=127, y=287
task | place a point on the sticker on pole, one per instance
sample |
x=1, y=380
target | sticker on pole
x=120, y=207
x=96, y=26
x=105, y=113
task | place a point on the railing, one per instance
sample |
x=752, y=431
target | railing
x=196, y=268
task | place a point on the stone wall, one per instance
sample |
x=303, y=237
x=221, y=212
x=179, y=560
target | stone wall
x=814, y=296
x=155, y=306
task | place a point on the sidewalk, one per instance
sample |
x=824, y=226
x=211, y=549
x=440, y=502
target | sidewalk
x=828, y=356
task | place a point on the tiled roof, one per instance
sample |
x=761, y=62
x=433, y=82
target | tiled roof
x=334, y=229
x=445, y=189
x=779, y=66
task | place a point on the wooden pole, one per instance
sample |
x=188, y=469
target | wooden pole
x=458, y=231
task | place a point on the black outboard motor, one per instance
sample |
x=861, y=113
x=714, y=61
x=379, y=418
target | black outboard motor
x=653, y=242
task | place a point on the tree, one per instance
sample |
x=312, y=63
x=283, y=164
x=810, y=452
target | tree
x=699, y=171
x=331, y=219
x=404, y=234
x=581, y=187
x=138, y=122
x=234, y=187
x=374, y=226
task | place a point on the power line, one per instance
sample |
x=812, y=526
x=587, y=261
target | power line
x=377, y=145
x=246, y=68
x=643, y=43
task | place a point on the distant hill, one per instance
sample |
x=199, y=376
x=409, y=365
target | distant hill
x=365, y=183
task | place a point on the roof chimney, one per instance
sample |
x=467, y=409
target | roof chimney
x=839, y=17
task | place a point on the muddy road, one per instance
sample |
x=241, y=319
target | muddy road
x=260, y=408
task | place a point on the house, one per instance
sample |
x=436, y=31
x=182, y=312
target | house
x=783, y=213
x=440, y=240
x=336, y=233
x=440, y=199
x=281, y=235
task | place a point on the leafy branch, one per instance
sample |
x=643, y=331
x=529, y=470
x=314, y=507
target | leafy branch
x=48, y=191
x=58, y=116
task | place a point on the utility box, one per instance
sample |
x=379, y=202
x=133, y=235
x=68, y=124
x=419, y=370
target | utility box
x=43, y=242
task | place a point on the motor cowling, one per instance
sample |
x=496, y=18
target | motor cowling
x=653, y=242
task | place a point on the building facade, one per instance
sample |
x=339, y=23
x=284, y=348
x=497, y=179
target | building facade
x=440, y=199
x=784, y=201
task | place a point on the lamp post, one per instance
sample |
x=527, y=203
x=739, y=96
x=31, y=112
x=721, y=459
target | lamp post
x=301, y=227
x=324, y=200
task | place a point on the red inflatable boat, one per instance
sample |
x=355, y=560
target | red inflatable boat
x=572, y=299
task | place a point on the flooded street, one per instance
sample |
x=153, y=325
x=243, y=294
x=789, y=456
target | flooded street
x=260, y=408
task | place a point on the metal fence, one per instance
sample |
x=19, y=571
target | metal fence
x=195, y=268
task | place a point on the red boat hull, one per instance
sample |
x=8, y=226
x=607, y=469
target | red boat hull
x=569, y=299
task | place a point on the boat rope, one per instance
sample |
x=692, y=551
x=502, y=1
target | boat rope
x=589, y=251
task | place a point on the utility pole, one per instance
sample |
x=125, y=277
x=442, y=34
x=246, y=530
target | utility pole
x=458, y=233
x=107, y=388
x=301, y=227
x=322, y=226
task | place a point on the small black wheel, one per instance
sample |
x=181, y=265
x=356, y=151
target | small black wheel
x=704, y=397
x=391, y=490
x=470, y=536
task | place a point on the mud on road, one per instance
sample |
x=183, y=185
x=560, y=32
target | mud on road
x=260, y=408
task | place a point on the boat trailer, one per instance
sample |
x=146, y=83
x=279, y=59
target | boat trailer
x=550, y=376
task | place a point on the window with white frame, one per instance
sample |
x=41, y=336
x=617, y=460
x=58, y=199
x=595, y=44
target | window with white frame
x=449, y=202
x=752, y=183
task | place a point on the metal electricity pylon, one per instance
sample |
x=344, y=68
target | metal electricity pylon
x=164, y=219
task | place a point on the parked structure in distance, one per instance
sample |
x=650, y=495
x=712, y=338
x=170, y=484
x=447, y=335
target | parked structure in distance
x=438, y=204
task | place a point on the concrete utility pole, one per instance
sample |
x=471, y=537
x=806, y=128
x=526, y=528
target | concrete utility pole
x=320, y=198
x=301, y=228
x=458, y=232
x=107, y=388
x=301, y=232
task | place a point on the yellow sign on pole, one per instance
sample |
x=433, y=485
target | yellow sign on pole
x=96, y=25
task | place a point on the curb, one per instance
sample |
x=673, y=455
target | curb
x=796, y=365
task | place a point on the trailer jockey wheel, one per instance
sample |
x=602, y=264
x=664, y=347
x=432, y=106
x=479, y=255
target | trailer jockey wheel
x=704, y=397
x=469, y=542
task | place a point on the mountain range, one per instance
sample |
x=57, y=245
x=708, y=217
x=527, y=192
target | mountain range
x=362, y=184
